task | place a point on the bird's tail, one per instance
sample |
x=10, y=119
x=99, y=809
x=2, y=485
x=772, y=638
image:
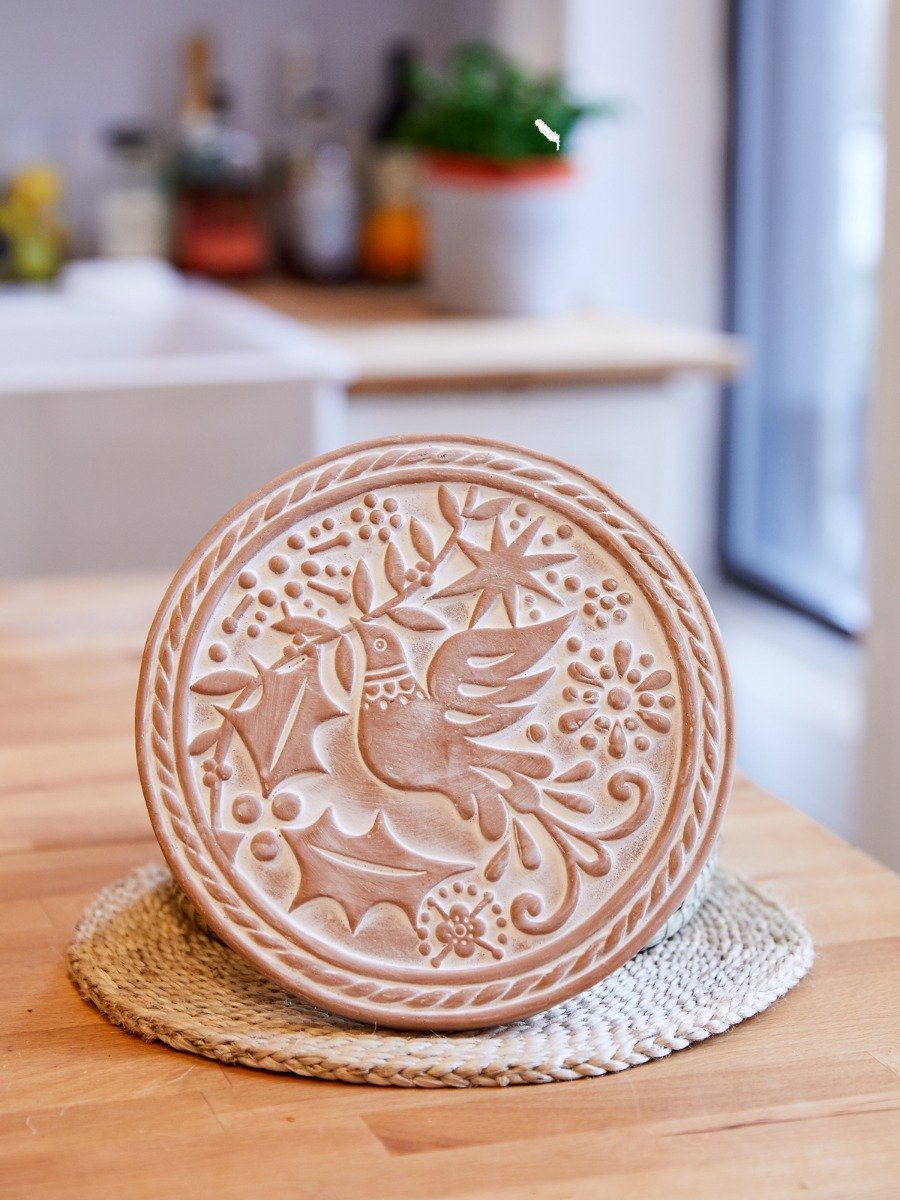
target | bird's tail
x=520, y=768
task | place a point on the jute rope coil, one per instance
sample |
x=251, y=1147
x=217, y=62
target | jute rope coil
x=147, y=965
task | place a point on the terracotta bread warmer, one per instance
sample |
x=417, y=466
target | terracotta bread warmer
x=436, y=733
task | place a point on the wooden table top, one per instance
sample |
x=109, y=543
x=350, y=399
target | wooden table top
x=399, y=344
x=804, y=1099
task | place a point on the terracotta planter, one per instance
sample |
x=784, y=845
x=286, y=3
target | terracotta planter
x=501, y=234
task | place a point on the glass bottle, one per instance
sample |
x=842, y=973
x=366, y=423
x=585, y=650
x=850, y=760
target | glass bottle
x=220, y=223
x=321, y=209
x=133, y=214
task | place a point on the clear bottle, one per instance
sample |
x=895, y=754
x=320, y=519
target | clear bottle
x=133, y=213
x=321, y=198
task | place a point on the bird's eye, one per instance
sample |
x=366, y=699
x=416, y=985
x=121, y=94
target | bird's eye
x=379, y=644
x=302, y=659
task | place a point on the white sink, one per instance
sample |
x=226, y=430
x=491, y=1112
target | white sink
x=136, y=408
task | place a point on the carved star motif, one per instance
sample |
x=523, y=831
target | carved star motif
x=501, y=569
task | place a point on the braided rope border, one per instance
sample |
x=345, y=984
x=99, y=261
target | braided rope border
x=311, y=969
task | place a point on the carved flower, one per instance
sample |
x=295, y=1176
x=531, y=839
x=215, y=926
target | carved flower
x=622, y=699
x=461, y=930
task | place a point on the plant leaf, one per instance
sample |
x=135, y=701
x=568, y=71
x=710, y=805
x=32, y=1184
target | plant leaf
x=204, y=740
x=395, y=567
x=416, y=618
x=222, y=683
x=345, y=664
x=449, y=506
x=422, y=540
x=363, y=588
x=309, y=626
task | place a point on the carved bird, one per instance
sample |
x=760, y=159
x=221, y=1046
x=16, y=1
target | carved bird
x=419, y=738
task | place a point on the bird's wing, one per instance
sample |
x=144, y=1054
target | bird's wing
x=483, y=672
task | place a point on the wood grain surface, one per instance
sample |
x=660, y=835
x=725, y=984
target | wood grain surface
x=399, y=344
x=802, y=1100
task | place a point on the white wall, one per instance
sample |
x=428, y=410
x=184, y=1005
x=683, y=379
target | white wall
x=69, y=68
x=653, y=218
x=656, y=174
x=654, y=235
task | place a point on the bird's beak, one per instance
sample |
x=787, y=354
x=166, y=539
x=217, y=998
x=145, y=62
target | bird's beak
x=365, y=635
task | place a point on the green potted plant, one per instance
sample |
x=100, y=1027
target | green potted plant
x=499, y=182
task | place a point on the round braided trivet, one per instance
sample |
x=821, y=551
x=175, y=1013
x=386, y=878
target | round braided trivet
x=140, y=958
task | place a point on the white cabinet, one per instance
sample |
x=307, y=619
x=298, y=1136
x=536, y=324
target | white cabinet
x=129, y=426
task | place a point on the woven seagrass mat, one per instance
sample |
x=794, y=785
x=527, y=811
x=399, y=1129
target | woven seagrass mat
x=148, y=965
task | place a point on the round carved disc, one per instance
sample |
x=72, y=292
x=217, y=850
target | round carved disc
x=434, y=732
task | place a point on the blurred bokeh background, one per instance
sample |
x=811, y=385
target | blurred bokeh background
x=236, y=234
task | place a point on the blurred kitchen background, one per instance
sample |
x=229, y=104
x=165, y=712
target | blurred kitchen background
x=235, y=234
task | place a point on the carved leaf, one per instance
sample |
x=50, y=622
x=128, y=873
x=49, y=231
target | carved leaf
x=617, y=743
x=582, y=770
x=572, y=800
x=345, y=664
x=572, y=721
x=363, y=587
x=222, y=683
x=279, y=727
x=204, y=740
x=496, y=868
x=490, y=508
x=229, y=841
x=656, y=721
x=395, y=567
x=360, y=870
x=583, y=674
x=309, y=626
x=422, y=540
x=654, y=681
x=622, y=656
x=449, y=506
x=416, y=618
x=529, y=852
